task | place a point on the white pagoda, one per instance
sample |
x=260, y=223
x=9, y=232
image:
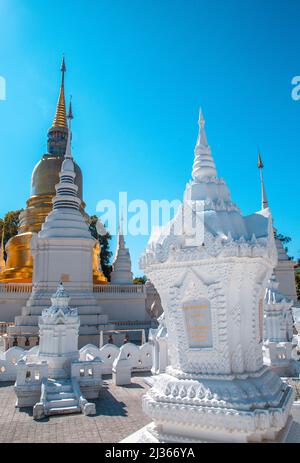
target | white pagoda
x=63, y=250
x=211, y=266
x=121, y=273
x=51, y=378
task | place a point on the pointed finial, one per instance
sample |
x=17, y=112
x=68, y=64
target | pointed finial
x=201, y=121
x=70, y=112
x=204, y=165
x=260, y=163
x=60, y=119
x=264, y=200
x=68, y=153
x=63, y=65
x=121, y=219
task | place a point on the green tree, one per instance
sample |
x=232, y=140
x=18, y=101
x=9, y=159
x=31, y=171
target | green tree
x=103, y=239
x=297, y=276
x=140, y=280
x=285, y=240
x=10, y=222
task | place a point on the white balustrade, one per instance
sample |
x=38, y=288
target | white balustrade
x=18, y=288
x=140, y=357
x=119, y=289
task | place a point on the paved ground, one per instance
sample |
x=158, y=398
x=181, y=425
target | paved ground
x=119, y=413
x=294, y=433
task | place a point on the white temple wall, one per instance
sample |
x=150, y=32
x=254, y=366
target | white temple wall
x=124, y=306
x=66, y=259
x=127, y=303
x=11, y=306
x=286, y=276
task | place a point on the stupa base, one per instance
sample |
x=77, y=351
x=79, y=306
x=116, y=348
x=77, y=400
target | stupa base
x=250, y=408
x=151, y=434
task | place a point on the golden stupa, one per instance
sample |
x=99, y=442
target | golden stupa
x=45, y=175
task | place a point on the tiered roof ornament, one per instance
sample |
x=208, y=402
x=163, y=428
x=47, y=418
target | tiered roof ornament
x=204, y=165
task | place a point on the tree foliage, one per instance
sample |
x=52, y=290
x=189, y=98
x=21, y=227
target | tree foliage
x=285, y=240
x=140, y=280
x=297, y=276
x=103, y=239
x=10, y=222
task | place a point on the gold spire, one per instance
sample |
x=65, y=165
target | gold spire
x=60, y=119
x=260, y=163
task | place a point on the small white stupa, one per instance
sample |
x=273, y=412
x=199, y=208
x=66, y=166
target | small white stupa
x=51, y=378
x=211, y=266
x=121, y=273
x=58, y=328
x=278, y=331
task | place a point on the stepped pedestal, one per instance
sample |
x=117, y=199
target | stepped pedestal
x=92, y=320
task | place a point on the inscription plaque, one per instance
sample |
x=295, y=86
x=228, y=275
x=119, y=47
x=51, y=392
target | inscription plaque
x=198, y=323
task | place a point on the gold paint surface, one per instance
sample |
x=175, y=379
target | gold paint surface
x=198, y=333
x=98, y=276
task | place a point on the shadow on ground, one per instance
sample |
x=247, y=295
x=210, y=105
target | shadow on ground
x=7, y=383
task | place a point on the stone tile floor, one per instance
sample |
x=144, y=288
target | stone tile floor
x=293, y=436
x=119, y=413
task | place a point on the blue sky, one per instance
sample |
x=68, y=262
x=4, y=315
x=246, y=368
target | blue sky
x=138, y=72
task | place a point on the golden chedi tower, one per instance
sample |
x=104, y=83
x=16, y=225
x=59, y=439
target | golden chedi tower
x=45, y=175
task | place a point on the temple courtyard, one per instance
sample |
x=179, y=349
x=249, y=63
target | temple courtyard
x=118, y=414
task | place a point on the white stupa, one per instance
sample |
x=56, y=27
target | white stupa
x=121, y=273
x=284, y=271
x=211, y=266
x=63, y=250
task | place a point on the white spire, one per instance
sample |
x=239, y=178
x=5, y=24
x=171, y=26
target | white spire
x=121, y=273
x=204, y=165
x=66, y=190
x=121, y=241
